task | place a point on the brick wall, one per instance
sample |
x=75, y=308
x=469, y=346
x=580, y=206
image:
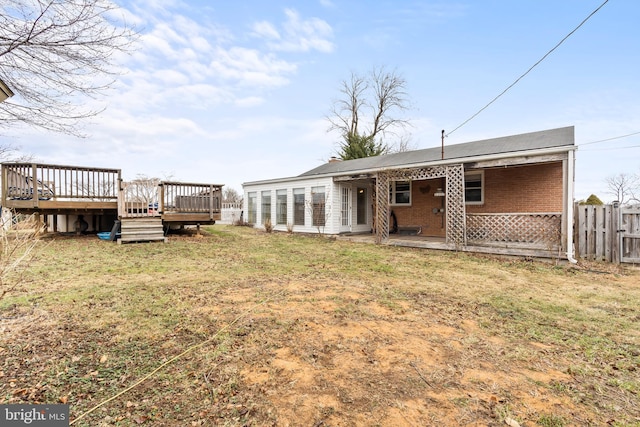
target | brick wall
x=420, y=213
x=533, y=188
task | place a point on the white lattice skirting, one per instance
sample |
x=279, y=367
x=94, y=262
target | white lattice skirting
x=533, y=229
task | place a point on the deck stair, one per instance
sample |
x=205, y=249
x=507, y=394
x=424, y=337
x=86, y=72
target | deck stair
x=145, y=229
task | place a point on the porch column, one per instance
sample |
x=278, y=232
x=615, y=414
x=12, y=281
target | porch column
x=382, y=207
x=567, y=210
x=456, y=212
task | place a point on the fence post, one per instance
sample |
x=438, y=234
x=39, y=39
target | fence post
x=616, y=242
x=609, y=233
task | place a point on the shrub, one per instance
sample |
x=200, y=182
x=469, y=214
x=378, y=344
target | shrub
x=592, y=200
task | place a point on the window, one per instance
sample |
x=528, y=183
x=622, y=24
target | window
x=266, y=206
x=252, y=206
x=474, y=188
x=400, y=192
x=361, y=206
x=281, y=206
x=298, y=206
x=344, y=207
x=318, y=206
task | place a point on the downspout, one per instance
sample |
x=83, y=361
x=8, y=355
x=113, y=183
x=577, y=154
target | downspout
x=569, y=207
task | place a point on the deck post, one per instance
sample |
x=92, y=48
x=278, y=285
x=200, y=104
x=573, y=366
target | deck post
x=210, y=203
x=161, y=197
x=121, y=198
x=5, y=185
x=34, y=184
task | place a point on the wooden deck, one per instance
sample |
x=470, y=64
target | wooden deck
x=72, y=190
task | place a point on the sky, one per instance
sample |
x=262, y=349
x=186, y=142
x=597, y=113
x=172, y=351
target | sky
x=231, y=92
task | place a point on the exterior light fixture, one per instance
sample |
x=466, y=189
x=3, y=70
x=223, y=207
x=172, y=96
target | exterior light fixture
x=439, y=193
x=5, y=92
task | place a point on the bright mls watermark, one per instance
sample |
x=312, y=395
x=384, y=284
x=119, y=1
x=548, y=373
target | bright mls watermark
x=34, y=415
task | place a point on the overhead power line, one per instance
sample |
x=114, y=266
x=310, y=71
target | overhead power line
x=611, y=148
x=529, y=70
x=609, y=139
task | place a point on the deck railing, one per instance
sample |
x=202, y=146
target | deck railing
x=33, y=181
x=181, y=197
x=535, y=230
x=138, y=199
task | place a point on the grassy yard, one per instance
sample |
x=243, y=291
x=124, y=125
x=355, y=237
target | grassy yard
x=283, y=330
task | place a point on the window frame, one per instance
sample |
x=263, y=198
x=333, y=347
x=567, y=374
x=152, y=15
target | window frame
x=265, y=194
x=482, y=186
x=252, y=207
x=299, y=208
x=393, y=193
x=281, y=208
x=318, y=206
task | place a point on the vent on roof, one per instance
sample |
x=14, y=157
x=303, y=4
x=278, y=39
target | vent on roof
x=334, y=159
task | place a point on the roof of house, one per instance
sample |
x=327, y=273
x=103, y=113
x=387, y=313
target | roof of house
x=561, y=137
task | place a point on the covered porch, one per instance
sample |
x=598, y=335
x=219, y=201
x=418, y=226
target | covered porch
x=529, y=234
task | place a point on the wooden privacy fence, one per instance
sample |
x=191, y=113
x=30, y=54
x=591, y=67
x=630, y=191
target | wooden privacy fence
x=607, y=233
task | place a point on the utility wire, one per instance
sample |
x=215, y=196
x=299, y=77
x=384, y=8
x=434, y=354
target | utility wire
x=609, y=139
x=609, y=149
x=529, y=70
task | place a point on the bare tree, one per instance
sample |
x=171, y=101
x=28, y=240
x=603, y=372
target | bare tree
x=53, y=55
x=231, y=195
x=366, y=112
x=624, y=187
x=142, y=190
x=11, y=153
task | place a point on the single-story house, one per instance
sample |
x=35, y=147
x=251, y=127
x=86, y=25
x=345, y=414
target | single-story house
x=509, y=195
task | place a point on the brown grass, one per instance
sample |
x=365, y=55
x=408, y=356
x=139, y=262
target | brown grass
x=318, y=332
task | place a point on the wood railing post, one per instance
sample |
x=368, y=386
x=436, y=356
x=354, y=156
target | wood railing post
x=34, y=184
x=5, y=184
x=121, y=199
x=161, y=197
x=211, y=202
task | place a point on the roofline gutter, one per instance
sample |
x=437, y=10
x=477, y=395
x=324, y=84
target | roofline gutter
x=538, y=152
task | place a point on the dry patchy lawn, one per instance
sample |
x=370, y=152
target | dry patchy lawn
x=304, y=331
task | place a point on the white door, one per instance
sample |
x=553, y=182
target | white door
x=345, y=209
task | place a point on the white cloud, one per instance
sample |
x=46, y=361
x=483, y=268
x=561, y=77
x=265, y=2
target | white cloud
x=200, y=63
x=250, y=67
x=250, y=101
x=298, y=35
x=327, y=3
x=266, y=30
